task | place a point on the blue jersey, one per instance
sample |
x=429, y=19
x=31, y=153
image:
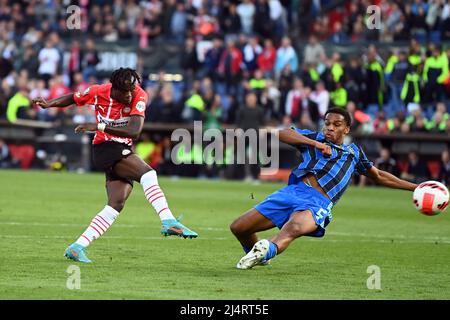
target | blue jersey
x=333, y=173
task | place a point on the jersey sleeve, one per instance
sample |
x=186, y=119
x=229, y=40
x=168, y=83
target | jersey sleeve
x=86, y=97
x=139, y=104
x=364, y=163
x=307, y=133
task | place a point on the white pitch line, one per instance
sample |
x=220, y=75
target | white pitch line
x=223, y=239
x=382, y=237
x=15, y=236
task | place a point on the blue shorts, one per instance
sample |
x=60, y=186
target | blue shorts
x=279, y=206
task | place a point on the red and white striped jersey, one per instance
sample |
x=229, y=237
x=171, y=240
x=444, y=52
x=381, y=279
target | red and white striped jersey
x=111, y=112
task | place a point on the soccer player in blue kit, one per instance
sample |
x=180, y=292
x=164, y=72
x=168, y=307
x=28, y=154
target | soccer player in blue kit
x=303, y=207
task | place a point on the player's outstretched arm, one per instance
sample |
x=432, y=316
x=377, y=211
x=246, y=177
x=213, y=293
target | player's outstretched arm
x=292, y=137
x=131, y=130
x=389, y=180
x=61, y=102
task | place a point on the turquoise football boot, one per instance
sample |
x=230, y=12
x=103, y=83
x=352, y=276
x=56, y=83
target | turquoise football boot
x=173, y=227
x=77, y=253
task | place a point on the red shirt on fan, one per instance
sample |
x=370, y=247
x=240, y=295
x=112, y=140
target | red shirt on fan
x=111, y=112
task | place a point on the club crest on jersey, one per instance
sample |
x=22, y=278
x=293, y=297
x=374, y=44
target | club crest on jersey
x=126, y=152
x=140, y=106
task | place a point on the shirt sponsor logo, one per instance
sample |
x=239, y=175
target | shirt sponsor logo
x=122, y=122
x=140, y=106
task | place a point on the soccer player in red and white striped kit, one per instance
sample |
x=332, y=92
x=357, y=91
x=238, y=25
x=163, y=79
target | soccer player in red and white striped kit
x=120, y=109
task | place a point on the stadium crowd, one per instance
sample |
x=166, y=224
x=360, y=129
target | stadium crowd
x=254, y=73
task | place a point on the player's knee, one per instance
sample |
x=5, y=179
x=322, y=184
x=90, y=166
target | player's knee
x=117, y=204
x=237, y=228
x=296, y=230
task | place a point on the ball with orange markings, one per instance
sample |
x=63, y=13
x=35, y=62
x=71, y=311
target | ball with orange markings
x=431, y=198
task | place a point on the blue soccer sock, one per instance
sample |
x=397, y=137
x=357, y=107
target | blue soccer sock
x=246, y=250
x=273, y=249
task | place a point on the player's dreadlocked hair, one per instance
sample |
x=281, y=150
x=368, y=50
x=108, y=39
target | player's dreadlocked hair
x=119, y=76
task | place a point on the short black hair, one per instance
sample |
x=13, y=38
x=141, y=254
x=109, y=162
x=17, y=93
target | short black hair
x=342, y=112
x=121, y=75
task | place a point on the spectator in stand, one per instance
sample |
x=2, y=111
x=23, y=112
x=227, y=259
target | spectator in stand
x=212, y=59
x=229, y=68
x=204, y=24
x=417, y=169
x=286, y=55
x=314, y=52
x=74, y=60
x=178, y=23
x=397, y=123
x=251, y=116
x=444, y=173
x=396, y=71
x=416, y=120
x=246, y=11
x=89, y=60
x=19, y=106
x=257, y=84
x=164, y=108
x=271, y=98
x=310, y=117
x=78, y=84
x=439, y=120
x=354, y=79
x=435, y=72
x=48, y=61
x=39, y=90
x=189, y=61
x=276, y=18
x=386, y=163
x=27, y=61
x=251, y=52
x=266, y=60
x=293, y=106
x=262, y=23
x=231, y=23
x=380, y=124
x=375, y=87
x=322, y=97
x=194, y=106
x=358, y=117
x=339, y=36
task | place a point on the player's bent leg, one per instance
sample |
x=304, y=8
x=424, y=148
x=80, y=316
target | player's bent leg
x=118, y=192
x=133, y=167
x=300, y=223
x=245, y=227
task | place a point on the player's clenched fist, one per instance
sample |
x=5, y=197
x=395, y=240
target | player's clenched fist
x=87, y=127
x=324, y=148
x=40, y=102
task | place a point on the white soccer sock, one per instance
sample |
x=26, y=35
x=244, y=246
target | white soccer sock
x=98, y=226
x=155, y=196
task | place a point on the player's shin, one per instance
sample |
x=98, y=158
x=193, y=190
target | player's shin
x=98, y=226
x=155, y=195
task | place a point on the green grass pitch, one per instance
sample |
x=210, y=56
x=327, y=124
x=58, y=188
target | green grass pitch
x=43, y=212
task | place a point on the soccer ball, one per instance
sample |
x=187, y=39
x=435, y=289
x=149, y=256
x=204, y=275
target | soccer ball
x=431, y=198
